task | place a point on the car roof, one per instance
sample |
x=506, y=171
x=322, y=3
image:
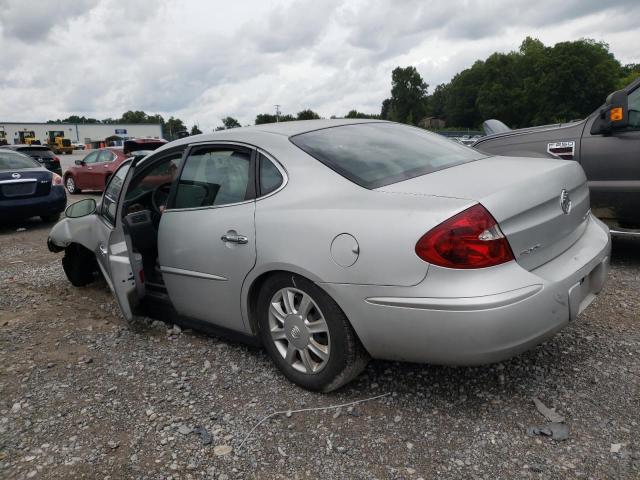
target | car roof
x=302, y=126
x=24, y=145
x=280, y=129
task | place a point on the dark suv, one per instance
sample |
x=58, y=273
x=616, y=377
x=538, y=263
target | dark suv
x=40, y=153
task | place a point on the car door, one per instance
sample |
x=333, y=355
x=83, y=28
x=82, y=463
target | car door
x=83, y=180
x=206, y=238
x=113, y=247
x=97, y=173
x=612, y=164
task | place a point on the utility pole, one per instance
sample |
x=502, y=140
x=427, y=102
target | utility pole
x=277, y=112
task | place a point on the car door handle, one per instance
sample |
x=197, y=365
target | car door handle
x=103, y=249
x=234, y=238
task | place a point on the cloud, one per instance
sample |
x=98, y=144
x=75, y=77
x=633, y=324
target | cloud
x=202, y=60
x=31, y=23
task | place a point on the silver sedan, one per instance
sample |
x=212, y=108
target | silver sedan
x=333, y=241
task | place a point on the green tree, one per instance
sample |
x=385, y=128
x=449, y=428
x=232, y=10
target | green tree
x=227, y=123
x=265, y=118
x=195, y=130
x=385, y=110
x=408, y=96
x=630, y=73
x=534, y=85
x=307, y=115
x=357, y=114
x=171, y=128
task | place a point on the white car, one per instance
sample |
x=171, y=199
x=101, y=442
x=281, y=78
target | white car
x=329, y=241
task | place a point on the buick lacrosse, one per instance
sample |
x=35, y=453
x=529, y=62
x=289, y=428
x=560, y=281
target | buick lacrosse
x=333, y=241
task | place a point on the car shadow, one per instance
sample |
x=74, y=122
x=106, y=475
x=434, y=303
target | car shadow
x=626, y=251
x=25, y=224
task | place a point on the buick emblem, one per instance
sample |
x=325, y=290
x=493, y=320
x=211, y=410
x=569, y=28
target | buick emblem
x=295, y=332
x=565, y=201
x=16, y=175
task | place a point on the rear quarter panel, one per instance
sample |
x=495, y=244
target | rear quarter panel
x=296, y=226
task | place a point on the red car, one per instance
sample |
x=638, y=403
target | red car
x=94, y=170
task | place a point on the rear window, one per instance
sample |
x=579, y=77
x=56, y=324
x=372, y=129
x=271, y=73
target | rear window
x=14, y=161
x=376, y=154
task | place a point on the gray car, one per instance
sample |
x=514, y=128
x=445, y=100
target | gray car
x=333, y=241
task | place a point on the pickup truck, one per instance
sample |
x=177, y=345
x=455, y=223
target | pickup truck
x=606, y=144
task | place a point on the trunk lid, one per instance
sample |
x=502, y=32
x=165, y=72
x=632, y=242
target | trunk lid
x=24, y=183
x=523, y=195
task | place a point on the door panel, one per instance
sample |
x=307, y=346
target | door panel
x=612, y=165
x=203, y=273
x=83, y=179
x=114, y=251
x=122, y=272
x=96, y=172
x=206, y=237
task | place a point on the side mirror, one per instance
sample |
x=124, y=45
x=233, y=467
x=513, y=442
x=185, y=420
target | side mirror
x=81, y=209
x=79, y=162
x=614, y=114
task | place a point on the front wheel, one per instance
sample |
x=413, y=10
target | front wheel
x=79, y=264
x=307, y=335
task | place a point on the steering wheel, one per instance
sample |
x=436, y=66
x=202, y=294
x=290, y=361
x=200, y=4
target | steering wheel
x=160, y=196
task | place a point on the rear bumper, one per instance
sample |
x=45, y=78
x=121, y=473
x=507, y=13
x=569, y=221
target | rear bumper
x=467, y=318
x=54, y=202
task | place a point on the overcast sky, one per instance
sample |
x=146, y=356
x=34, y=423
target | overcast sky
x=204, y=60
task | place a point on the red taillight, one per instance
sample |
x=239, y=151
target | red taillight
x=56, y=160
x=470, y=239
x=56, y=179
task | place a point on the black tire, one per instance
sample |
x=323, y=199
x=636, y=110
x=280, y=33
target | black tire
x=347, y=357
x=79, y=264
x=50, y=218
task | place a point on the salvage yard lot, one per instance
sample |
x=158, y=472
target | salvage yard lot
x=84, y=395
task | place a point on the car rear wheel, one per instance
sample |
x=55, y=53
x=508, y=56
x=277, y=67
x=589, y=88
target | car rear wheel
x=70, y=183
x=307, y=335
x=79, y=264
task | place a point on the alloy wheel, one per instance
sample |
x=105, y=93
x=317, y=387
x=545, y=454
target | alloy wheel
x=299, y=330
x=71, y=185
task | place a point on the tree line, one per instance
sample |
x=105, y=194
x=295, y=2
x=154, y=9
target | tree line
x=534, y=85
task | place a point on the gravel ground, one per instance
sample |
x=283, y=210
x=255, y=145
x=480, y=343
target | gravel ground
x=84, y=395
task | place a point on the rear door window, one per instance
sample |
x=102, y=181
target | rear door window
x=105, y=156
x=376, y=154
x=214, y=176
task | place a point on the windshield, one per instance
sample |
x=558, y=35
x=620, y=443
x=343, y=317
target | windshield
x=14, y=161
x=376, y=154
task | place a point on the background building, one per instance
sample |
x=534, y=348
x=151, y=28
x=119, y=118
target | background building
x=94, y=135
